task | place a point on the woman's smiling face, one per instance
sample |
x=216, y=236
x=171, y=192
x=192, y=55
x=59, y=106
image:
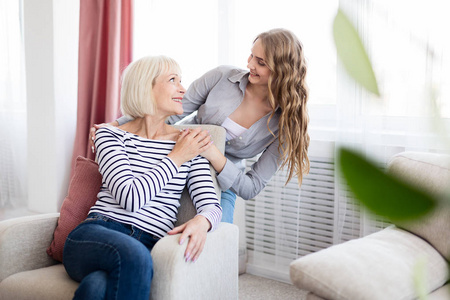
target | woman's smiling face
x=259, y=72
x=168, y=93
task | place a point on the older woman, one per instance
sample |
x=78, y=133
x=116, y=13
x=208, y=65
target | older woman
x=145, y=165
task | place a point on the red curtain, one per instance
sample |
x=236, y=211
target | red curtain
x=105, y=49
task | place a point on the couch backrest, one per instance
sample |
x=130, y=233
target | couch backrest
x=431, y=172
x=186, y=210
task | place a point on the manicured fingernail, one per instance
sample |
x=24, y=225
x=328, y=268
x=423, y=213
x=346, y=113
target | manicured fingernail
x=92, y=138
x=188, y=256
x=181, y=242
x=93, y=151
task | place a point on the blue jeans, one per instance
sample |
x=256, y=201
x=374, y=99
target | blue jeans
x=227, y=201
x=111, y=260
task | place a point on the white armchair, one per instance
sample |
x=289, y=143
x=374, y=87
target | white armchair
x=27, y=272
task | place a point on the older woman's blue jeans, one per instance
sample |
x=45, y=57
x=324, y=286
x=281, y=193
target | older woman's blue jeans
x=227, y=201
x=111, y=260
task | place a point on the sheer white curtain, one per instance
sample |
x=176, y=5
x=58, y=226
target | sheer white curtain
x=407, y=45
x=13, y=132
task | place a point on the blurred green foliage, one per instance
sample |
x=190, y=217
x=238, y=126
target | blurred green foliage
x=352, y=53
x=382, y=193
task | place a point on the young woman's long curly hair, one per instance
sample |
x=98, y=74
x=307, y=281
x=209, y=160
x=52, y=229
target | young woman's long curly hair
x=288, y=90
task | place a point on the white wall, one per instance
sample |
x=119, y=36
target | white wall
x=51, y=61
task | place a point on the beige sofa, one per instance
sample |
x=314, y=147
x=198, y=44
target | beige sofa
x=402, y=261
x=27, y=272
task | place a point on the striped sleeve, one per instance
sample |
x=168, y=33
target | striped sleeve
x=202, y=192
x=131, y=191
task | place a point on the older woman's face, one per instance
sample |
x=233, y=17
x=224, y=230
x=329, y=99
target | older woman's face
x=259, y=72
x=168, y=93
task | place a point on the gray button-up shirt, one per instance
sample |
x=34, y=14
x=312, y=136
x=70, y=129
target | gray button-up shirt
x=215, y=96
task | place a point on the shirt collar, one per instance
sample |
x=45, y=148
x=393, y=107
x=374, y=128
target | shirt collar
x=241, y=77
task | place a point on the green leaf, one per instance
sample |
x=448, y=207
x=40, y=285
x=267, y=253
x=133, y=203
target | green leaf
x=382, y=193
x=352, y=54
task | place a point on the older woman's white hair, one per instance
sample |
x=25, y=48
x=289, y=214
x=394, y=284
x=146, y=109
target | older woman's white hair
x=138, y=79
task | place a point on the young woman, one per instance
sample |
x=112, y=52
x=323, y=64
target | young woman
x=145, y=165
x=263, y=110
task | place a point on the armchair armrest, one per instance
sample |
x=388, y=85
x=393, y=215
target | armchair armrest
x=213, y=276
x=23, y=243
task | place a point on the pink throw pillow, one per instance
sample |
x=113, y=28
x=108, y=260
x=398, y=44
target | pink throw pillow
x=83, y=189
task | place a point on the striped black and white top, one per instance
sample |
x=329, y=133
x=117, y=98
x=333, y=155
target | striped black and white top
x=142, y=186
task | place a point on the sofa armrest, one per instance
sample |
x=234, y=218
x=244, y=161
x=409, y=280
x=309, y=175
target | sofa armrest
x=23, y=243
x=213, y=276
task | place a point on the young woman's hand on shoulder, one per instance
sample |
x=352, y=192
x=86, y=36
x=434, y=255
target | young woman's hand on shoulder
x=94, y=128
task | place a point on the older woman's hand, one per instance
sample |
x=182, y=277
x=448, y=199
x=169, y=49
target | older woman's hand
x=196, y=230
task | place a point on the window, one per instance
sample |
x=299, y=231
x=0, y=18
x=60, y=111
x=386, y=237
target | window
x=184, y=30
x=408, y=50
x=13, y=117
x=203, y=34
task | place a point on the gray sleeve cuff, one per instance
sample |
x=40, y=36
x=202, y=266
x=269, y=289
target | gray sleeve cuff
x=229, y=173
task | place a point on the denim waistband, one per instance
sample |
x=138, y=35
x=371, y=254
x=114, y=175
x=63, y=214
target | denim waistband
x=125, y=228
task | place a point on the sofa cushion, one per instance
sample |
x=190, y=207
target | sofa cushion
x=442, y=293
x=40, y=284
x=83, y=189
x=431, y=172
x=378, y=266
